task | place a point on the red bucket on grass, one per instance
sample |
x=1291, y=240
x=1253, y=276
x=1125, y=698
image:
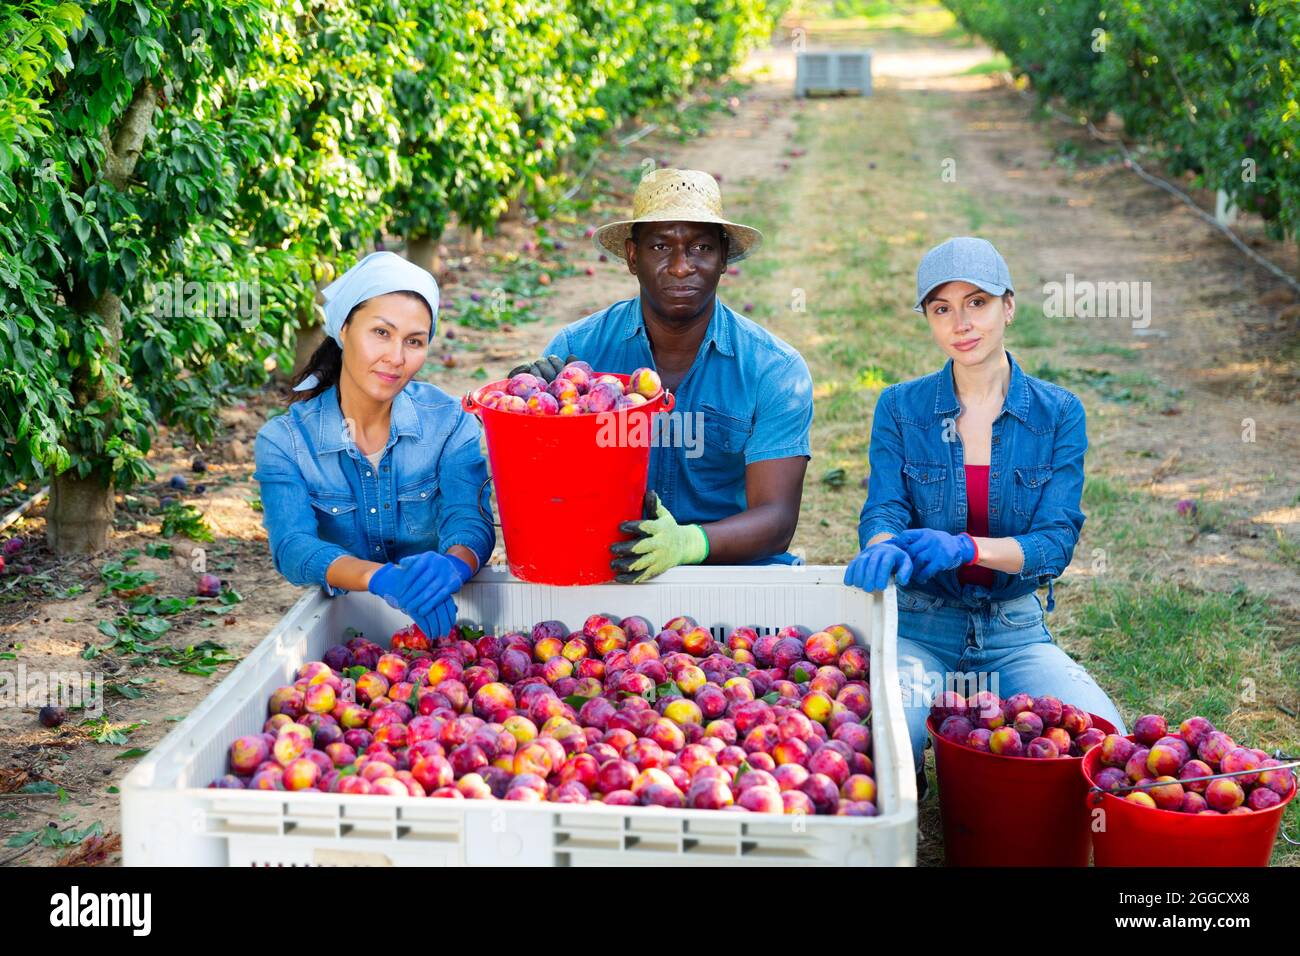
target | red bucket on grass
x=565, y=484
x=1148, y=836
x=1011, y=811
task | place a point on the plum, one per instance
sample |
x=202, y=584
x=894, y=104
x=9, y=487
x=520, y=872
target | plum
x=1224, y=794
x=1149, y=728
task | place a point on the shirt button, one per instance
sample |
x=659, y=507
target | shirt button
x=335, y=510
x=424, y=494
x=994, y=475
x=367, y=474
x=373, y=510
x=385, y=505
x=376, y=547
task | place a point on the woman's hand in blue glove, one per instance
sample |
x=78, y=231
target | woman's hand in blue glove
x=421, y=586
x=933, y=551
x=871, y=569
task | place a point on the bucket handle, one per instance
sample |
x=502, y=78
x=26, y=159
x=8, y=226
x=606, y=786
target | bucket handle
x=479, y=501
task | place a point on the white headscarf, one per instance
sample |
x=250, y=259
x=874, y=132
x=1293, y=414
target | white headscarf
x=377, y=274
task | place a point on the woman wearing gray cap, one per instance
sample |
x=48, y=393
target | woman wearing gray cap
x=372, y=481
x=973, y=502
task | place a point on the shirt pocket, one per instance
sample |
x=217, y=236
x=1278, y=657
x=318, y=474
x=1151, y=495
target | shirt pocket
x=1028, y=492
x=336, y=520
x=417, y=508
x=925, y=484
x=723, y=460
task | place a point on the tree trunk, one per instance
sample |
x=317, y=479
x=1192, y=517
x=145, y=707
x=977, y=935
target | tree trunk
x=423, y=251
x=80, y=516
x=474, y=242
x=309, y=339
x=515, y=210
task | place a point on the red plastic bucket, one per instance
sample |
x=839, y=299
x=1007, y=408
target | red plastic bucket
x=1011, y=811
x=1132, y=835
x=564, y=485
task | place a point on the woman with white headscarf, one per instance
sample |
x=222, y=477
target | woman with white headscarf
x=371, y=480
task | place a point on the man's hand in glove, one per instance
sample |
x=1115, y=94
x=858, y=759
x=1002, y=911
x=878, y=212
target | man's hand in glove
x=545, y=368
x=660, y=543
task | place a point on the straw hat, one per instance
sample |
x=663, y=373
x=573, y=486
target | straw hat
x=678, y=195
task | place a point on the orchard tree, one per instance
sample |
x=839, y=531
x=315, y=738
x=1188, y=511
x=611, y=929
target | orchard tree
x=488, y=110
x=94, y=203
x=319, y=103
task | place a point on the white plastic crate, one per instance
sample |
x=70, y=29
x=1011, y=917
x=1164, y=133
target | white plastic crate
x=825, y=71
x=171, y=817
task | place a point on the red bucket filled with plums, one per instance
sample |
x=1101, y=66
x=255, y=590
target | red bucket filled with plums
x=1010, y=788
x=570, y=462
x=1177, y=817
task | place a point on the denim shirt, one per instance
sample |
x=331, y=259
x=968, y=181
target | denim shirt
x=321, y=498
x=747, y=397
x=918, y=476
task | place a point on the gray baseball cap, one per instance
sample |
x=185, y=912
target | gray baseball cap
x=962, y=259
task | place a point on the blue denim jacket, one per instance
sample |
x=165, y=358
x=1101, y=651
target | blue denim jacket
x=918, y=476
x=747, y=397
x=321, y=497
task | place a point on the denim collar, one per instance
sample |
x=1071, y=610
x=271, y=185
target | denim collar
x=718, y=334
x=332, y=436
x=1016, y=402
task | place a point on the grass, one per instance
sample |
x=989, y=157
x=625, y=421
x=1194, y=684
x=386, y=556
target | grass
x=1160, y=648
x=1125, y=388
x=998, y=64
x=837, y=22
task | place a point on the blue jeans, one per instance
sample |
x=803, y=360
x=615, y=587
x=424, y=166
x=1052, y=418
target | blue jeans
x=1001, y=646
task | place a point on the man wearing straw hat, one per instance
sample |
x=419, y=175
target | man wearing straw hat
x=732, y=497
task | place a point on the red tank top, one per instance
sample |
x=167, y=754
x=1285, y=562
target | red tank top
x=977, y=522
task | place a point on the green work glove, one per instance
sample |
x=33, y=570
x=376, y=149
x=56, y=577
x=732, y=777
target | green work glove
x=545, y=368
x=660, y=543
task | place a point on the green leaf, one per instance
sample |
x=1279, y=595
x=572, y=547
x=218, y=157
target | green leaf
x=576, y=701
x=40, y=786
x=771, y=697
x=22, y=839
x=132, y=753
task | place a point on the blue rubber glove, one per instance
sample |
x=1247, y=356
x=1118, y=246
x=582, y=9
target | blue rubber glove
x=429, y=600
x=421, y=586
x=933, y=551
x=441, y=619
x=871, y=569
